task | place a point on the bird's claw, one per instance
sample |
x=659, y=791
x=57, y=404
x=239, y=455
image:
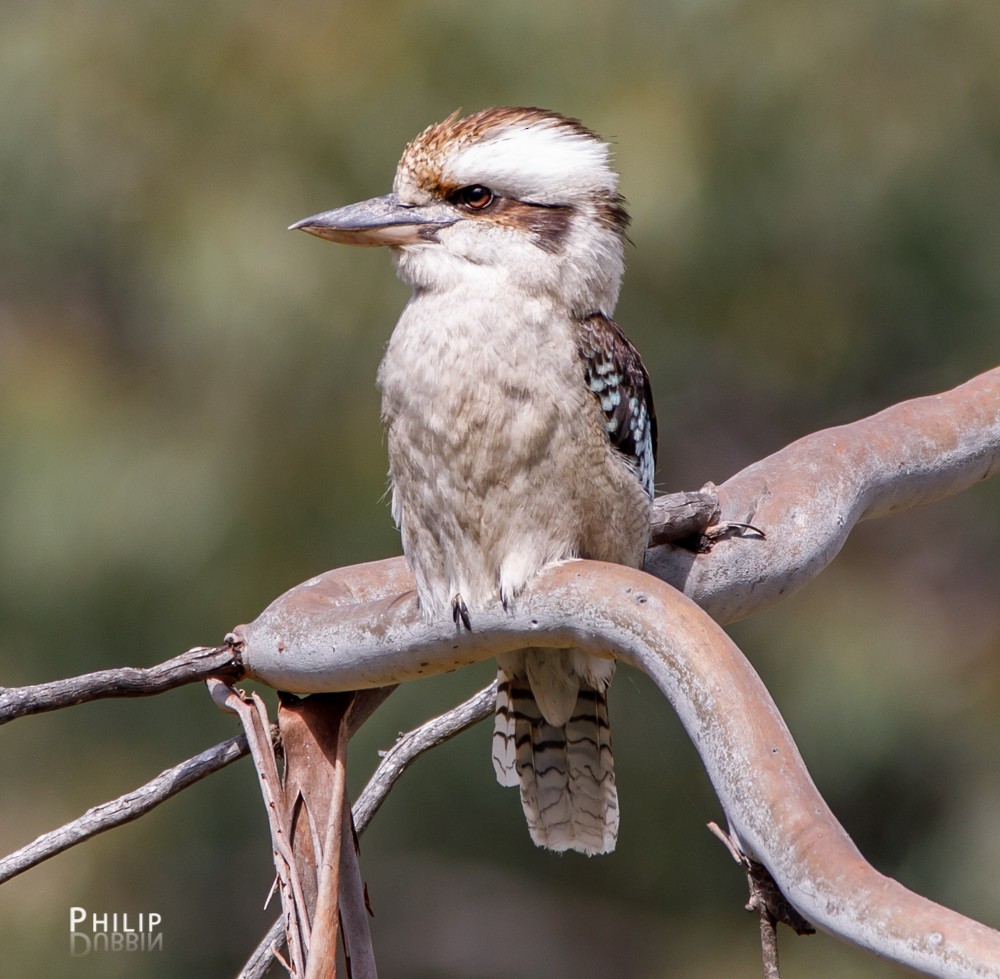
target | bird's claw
x=710, y=536
x=733, y=528
x=460, y=612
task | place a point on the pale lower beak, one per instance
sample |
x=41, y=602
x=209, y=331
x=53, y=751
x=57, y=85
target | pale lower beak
x=379, y=221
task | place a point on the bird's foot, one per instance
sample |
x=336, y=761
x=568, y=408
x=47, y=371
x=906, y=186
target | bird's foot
x=460, y=612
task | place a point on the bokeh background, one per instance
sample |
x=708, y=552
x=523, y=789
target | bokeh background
x=189, y=426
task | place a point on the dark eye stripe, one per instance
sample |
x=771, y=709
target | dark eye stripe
x=547, y=223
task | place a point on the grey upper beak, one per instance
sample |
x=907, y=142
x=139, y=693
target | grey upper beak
x=379, y=221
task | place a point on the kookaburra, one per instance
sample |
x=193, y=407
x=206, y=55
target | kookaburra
x=519, y=418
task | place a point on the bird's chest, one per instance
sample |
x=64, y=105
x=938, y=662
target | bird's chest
x=490, y=433
x=477, y=394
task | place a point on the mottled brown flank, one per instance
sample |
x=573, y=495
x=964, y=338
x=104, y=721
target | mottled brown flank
x=423, y=156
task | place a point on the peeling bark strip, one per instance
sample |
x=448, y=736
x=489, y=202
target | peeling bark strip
x=395, y=761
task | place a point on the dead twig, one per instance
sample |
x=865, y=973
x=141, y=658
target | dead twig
x=127, y=681
x=677, y=516
x=410, y=746
x=125, y=808
x=767, y=900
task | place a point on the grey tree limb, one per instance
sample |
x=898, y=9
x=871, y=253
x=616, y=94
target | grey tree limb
x=809, y=496
x=806, y=499
x=775, y=811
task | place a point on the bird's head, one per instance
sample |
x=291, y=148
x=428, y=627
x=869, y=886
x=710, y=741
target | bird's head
x=506, y=198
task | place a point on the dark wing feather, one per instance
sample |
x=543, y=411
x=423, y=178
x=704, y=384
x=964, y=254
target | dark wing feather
x=614, y=372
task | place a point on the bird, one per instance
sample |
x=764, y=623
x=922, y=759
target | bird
x=519, y=418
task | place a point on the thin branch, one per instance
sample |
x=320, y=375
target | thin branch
x=769, y=945
x=195, y=664
x=125, y=808
x=413, y=744
x=139, y=801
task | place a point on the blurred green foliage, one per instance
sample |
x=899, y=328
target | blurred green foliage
x=189, y=425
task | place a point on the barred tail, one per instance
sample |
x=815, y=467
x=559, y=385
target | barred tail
x=566, y=773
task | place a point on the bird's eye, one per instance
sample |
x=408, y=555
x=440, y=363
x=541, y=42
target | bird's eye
x=475, y=197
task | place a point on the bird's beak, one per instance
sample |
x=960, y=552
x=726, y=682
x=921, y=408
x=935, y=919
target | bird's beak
x=380, y=221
